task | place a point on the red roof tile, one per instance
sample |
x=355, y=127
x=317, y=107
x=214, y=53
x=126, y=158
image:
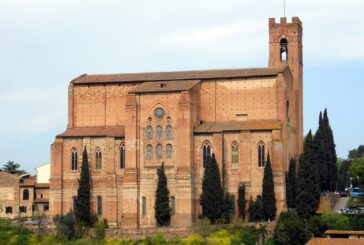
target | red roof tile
x=163, y=86
x=93, y=132
x=178, y=75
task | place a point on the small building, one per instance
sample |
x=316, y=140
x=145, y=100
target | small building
x=22, y=195
x=345, y=234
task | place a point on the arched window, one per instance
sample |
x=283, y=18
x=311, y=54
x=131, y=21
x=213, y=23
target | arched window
x=159, y=132
x=206, y=153
x=149, y=133
x=169, y=130
x=261, y=154
x=149, y=152
x=122, y=156
x=98, y=158
x=25, y=194
x=74, y=159
x=169, y=151
x=284, y=49
x=99, y=205
x=159, y=151
x=235, y=155
x=144, y=205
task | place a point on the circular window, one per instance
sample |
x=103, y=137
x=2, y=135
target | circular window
x=159, y=113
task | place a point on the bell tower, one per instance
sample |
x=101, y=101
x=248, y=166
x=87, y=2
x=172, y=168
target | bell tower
x=285, y=47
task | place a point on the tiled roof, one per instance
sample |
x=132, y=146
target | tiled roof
x=334, y=241
x=342, y=232
x=219, y=126
x=178, y=75
x=163, y=86
x=93, y=132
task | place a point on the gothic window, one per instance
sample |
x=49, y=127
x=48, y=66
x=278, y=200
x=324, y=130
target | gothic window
x=26, y=194
x=74, y=159
x=122, y=156
x=284, y=50
x=235, y=155
x=261, y=154
x=149, y=152
x=159, y=132
x=98, y=158
x=99, y=205
x=169, y=130
x=206, y=153
x=173, y=205
x=144, y=205
x=149, y=133
x=159, y=151
x=169, y=151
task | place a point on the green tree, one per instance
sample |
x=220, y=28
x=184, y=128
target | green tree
x=241, y=201
x=290, y=229
x=291, y=184
x=258, y=212
x=212, y=196
x=343, y=175
x=227, y=208
x=12, y=168
x=83, y=203
x=269, y=199
x=308, y=182
x=356, y=171
x=251, y=209
x=65, y=225
x=357, y=153
x=161, y=206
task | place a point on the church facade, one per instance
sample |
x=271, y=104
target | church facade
x=132, y=123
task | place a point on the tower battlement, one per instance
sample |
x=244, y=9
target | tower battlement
x=283, y=21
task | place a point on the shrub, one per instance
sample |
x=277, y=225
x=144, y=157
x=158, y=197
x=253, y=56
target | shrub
x=100, y=230
x=195, y=239
x=336, y=221
x=66, y=225
x=290, y=229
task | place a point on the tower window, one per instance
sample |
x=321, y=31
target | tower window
x=122, y=156
x=74, y=159
x=261, y=154
x=284, y=49
x=98, y=158
x=235, y=155
x=206, y=153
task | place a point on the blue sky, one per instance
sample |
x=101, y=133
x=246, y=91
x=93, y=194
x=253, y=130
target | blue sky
x=44, y=44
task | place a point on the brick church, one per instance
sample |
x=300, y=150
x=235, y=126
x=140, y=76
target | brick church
x=131, y=123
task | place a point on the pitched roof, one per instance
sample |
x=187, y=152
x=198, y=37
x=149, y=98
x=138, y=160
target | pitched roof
x=163, y=86
x=93, y=132
x=334, y=241
x=178, y=75
x=219, y=126
x=343, y=232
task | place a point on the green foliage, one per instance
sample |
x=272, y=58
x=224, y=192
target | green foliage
x=291, y=184
x=357, y=222
x=357, y=170
x=212, y=196
x=241, y=201
x=308, y=182
x=343, y=175
x=357, y=153
x=269, y=199
x=161, y=206
x=257, y=210
x=83, y=201
x=251, y=209
x=316, y=226
x=100, y=228
x=290, y=229
x=66, y=225
x=335, y=221
x=13, y=168
x=195, y=239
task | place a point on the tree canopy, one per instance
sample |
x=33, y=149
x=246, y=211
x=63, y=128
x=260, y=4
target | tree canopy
x=12, y=168
x=161, y=206
x=291, y=184
x=269, y=199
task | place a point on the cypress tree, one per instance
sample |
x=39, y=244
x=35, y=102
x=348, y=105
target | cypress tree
x=332, y=158
x=258, y=212
x=83, y=203
x=241, y=201
x=251, y=209
x=161, y=205
x=308, y=182
x=269, y=199
x=227, y=208
x=212, y=196
x=321, y=154
x=291, y=184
